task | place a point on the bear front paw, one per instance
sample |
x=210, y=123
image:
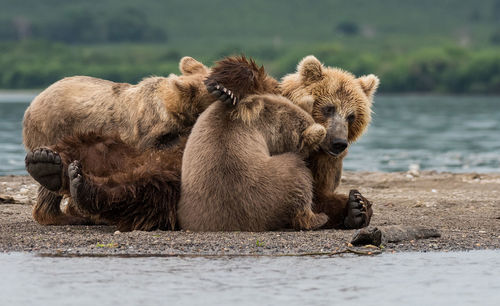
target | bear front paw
x=45, y=166
x=313, y=136
x=221, y=93
x=359, y=211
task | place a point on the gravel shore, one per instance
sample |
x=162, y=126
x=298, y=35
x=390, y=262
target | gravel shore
x=463, y=208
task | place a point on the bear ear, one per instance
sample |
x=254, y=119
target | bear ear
x=189, y=65
x=310, y=69
x=369, y=84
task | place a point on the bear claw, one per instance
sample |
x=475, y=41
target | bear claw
x=45, y=166
x=221, y=93
x=359, y=211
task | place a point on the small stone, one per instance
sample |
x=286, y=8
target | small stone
x=434, y=190
x=367, y=236
x=117, y=233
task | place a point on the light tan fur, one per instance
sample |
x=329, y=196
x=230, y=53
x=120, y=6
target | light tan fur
x=318, y=89
x=141, y=114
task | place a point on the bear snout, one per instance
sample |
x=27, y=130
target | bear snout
x=337, y=146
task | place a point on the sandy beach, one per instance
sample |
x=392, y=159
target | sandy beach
x=463, y=208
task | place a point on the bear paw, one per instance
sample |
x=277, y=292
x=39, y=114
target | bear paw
x=221, y=93
x=314, y=135
x=45, y=166
x=76, y=181
x=359, y=211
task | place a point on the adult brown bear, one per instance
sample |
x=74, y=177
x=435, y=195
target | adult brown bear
x=156, y=113
x=341, y=103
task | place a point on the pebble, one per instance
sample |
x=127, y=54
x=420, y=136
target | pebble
x=117, y=232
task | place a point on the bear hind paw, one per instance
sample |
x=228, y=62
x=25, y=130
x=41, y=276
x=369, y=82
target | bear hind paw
x=359, y=211
x=45, y=166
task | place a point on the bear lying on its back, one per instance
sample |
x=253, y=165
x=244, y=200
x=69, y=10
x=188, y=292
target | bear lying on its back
x=156, y=113
x=243, y=166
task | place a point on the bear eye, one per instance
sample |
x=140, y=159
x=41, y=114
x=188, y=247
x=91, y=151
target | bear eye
x=351, y=118
x=328, y=110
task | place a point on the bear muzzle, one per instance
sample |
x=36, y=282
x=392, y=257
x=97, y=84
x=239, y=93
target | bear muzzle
x=336, y=137
x=335, y=147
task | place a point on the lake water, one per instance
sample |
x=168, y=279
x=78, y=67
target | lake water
x=455, y=278
x=444, y=133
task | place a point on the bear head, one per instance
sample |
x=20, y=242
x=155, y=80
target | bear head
x=335, y=98
x=185, y=95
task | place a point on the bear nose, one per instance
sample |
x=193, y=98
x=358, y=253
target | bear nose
x=338, y=145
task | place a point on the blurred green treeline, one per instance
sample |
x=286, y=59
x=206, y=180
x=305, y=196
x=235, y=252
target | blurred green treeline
x=448, y=46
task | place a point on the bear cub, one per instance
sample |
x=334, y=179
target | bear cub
x=243, y=166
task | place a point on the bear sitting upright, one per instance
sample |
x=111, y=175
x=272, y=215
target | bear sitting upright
x=243, y=166
x=341, y=103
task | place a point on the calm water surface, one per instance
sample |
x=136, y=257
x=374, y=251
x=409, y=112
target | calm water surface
x=444, y=133
x=462, y=278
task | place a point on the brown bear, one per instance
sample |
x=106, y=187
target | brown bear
x=156, y=113
x=341, y=103
x=243, y=166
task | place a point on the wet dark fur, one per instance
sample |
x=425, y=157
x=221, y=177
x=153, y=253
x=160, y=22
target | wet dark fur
x=123, y=186
x=242, y=76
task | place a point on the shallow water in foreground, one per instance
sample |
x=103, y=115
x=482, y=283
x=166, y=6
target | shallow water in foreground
x=455, y=278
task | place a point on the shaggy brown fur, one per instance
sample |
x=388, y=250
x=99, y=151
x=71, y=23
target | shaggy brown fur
x=152, y=114
x=243, y=166
x=342, y=104
x=115, y=183
x=243, y=76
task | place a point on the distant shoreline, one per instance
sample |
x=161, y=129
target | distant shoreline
x=462, y=207
x=18, y=95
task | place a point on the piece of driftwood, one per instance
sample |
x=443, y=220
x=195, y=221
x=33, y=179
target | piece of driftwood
x=393, y=233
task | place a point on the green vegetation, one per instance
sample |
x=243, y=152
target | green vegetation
x=450, y=46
